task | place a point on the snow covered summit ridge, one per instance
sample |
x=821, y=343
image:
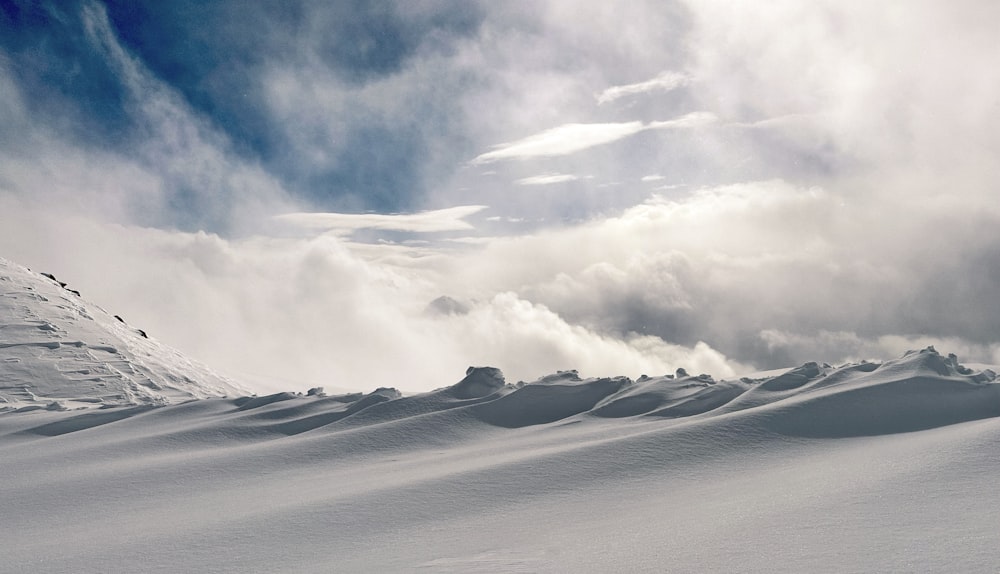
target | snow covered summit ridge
x=58, y=351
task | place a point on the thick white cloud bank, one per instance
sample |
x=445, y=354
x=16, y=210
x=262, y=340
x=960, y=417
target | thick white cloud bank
x=279, y=312
x=828, y=193
x=664, y=285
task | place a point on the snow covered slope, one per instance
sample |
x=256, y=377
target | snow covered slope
x=867, y=467
x=59, y=352
x=860, y=468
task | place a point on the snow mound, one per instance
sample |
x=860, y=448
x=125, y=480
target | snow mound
x=549, y=399
x=61, y=352
x=922, y=390
x=448, y=480
x=478, y=382
x=670, y=396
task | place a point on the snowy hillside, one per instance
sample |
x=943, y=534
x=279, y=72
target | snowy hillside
x=859, y=468
x=865, y=467
x=61, y=352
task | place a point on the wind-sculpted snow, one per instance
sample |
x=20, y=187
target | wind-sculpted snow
x=666, y=473
x=61, y=352
x=921, y=390
x=108, y=465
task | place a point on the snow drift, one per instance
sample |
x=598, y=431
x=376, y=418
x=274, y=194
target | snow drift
x=921, y=390
x=859, y=467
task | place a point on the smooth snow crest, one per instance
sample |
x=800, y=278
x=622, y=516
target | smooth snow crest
x=874, y=467
x=893, y=461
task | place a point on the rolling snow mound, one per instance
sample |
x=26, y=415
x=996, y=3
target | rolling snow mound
x=921, y=390
x=864, y=467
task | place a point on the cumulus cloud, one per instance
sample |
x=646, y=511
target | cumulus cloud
x=708, y=282
x=860, y=73
x=838, y=202
x=743, y=267
x=665, y=82
x=530, y=334
x=286, y=313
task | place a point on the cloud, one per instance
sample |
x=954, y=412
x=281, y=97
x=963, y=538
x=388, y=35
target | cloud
x=571, y=138
x=170, y=168
x=562, y=140
x=521, y=331
x=868, y=91
x=691, y=120
x=547, y=179
x=297, y=312
x=838, y=201
x=449, y=219
x=352, y=106
x=707, y=281
x=664, y=82
x=734, y=266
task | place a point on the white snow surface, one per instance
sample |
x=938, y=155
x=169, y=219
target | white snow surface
x=863, y=467
x=60, y=352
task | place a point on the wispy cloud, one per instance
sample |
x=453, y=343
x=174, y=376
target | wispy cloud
x=562, y=140
x=664, y=82
x=547, y=179
x=199, y=173
x=766, y=273
x=571, y=138
x=450, y=219
x=692, y=120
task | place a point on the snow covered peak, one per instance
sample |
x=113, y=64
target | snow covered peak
x=58, y=351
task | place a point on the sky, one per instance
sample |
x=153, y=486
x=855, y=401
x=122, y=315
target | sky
x=360, y=194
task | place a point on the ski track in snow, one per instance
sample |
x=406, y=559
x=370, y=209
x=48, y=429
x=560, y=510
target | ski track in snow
x=859, y=468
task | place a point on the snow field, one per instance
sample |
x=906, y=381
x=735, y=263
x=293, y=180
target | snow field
x=119, y=455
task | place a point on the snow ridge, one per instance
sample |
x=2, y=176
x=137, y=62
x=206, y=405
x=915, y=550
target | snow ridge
x=61, y=353
x=919, y=391
x=894, y=462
